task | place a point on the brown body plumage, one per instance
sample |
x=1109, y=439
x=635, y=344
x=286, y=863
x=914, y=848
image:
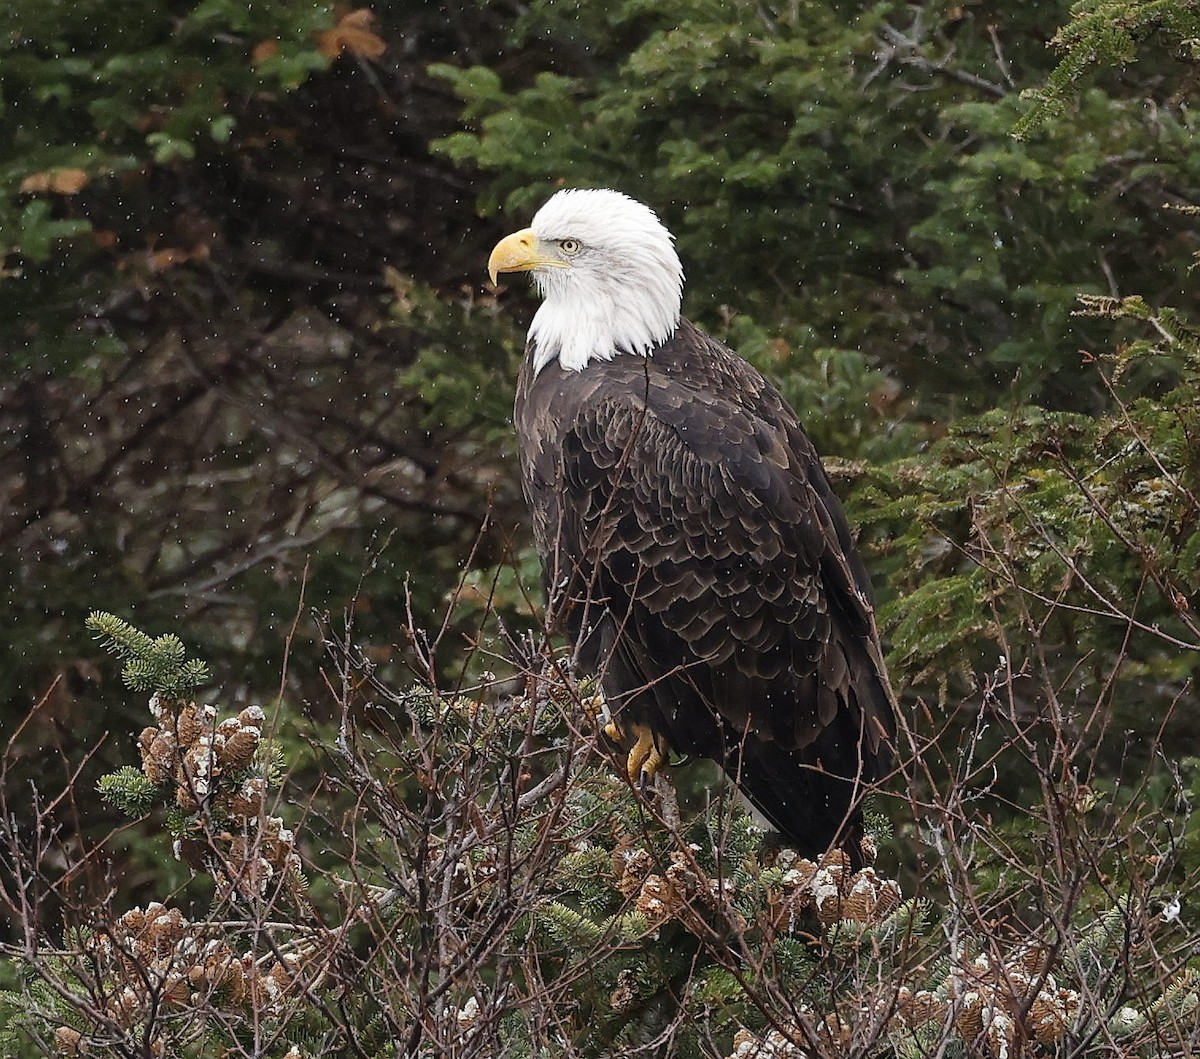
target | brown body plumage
x=697, y=557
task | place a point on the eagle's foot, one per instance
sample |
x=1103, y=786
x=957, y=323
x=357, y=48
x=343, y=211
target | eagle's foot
x=614, y=732
x=648, y=755
x=594, y=707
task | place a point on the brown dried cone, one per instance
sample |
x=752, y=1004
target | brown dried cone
x=244, y=874
x=239, y=749
x=695, y=894
x=270, y=990
x=869, y=849
x=176, y=995
x=68, y=1041
x=187, y=748
x=657, y=901
x=133, y=922
x=870, y=898
x=244, y=803
x=128, y=1006
x=787, y=906
x=797, y=871
x=686, y=879
x=1001, y=1034
x=921, y=1008
x=745, y=1044
x=156, y=956
x=234, y=985
x=190, y=724
x=970, y=1019
x=830, y=886
x=284, y=973
x=774, y=1045
x=272, y=843
x=835, y=1033
x=1052, y=1013
x=631, y=865
x=624, y=996
x=835, y=859
x=185, y=792
x=159, y=755
x=238, y=738
x=218, y=973
x=196, y=774
x=151, y=934
x=1033, y=959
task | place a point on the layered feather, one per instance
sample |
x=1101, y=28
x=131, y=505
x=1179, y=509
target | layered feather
x=698, y=557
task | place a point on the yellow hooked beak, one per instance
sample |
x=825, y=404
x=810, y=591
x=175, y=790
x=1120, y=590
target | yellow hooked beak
x=522, y=252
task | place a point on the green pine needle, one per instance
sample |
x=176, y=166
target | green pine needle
x=129, y=790
x=159, y=665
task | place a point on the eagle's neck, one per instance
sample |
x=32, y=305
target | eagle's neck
x=595, y=317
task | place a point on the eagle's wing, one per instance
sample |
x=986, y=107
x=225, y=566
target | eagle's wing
x=704, y=530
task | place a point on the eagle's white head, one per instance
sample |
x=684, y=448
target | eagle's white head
x=607, y=271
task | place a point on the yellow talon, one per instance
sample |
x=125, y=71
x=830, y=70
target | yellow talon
x=647, y=756
x=593, y=707
x=596, y=710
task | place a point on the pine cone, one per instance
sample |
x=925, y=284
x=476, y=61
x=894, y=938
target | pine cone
x=1052, y=1013
x=922, y=1008
x=835, y=1032
x=239, y=748
x=1001, y=1035
x=189, y=725
x=632, y=867
x=969, y=1022
x=68, y=1041
x=657, y=901
x=158, y=754
x=871, y=899
x=624, y=996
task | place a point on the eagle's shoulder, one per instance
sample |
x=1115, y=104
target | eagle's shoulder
x=689, y=375
x=692, y=426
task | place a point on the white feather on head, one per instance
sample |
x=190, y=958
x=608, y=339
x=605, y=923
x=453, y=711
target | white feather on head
x=622, y=290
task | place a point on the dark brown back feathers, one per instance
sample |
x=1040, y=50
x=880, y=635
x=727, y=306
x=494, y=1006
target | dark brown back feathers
x=696, y=555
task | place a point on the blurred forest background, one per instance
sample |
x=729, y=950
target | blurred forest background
x=252, y=373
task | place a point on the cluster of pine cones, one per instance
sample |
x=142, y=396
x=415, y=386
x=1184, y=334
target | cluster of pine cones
x=153, y=960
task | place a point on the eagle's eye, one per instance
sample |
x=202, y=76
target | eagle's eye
x=570, y=246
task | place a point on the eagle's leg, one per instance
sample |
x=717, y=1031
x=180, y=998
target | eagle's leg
x=648, y=755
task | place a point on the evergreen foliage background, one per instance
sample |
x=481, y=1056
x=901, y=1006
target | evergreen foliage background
x=252, y=377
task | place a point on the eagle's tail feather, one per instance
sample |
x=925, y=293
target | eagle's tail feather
x=813, y=810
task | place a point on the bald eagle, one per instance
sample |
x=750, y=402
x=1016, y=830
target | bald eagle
x=692, y=547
